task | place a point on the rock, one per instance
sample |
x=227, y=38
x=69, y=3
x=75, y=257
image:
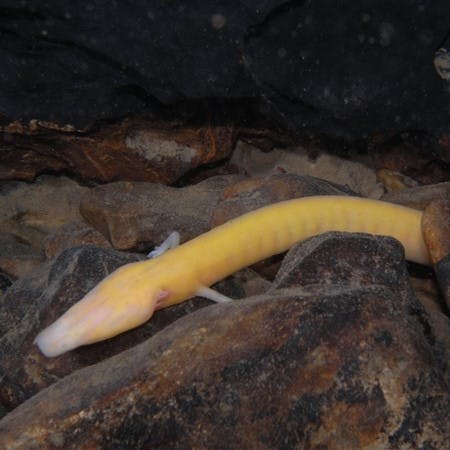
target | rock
x=34, y=302
x=133, y=215
x=311, y=65
x=442, y=62
x=5, y=282
x=18, y=259
x=395, y=181
x=414, y=154
x=442, y=269
x=419, y=197
x=71, y=235
x=436, y=229
x=138, y=149
x=32, y=211
x=427, y=292
x=253, y=193
x=350, y=259
x=344, y=369
x=358, y=259
x=301, y=161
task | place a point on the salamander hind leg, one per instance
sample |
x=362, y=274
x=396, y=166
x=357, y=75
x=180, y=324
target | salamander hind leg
x=213, y=295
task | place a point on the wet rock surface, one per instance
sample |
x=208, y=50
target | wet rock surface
x=336, y=355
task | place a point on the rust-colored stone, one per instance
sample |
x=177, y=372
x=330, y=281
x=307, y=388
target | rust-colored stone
x=436, y=229
x=138, y=148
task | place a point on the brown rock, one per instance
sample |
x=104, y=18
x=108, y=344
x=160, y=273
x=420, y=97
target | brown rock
x=16, y=258
x=436, y=229
x=419, y=197
x=344, y=369
x=72, y=235
x=32, y=211
x=135, y=215
x=34, y=302
x=253, y=193
x=135, y=149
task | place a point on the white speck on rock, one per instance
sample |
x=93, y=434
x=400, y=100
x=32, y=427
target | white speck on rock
x=218, y=21
x=157, y=150
x=387, y=32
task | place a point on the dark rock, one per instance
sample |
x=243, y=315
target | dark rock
x=138, y=149
x=5, y=282
x=342, y=369
x=351, y=259
x=313, y=64
x=135, y=215
x=442, y=269
x=34, y=302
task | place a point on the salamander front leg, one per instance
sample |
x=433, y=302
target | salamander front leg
x=171, y=242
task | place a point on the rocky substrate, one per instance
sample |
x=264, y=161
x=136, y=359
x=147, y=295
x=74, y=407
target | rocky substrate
x=335, y=345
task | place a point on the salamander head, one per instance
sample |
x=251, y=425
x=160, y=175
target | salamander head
x=123, y=300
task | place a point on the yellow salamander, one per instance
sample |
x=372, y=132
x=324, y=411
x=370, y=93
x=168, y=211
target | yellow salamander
x=129, y=296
